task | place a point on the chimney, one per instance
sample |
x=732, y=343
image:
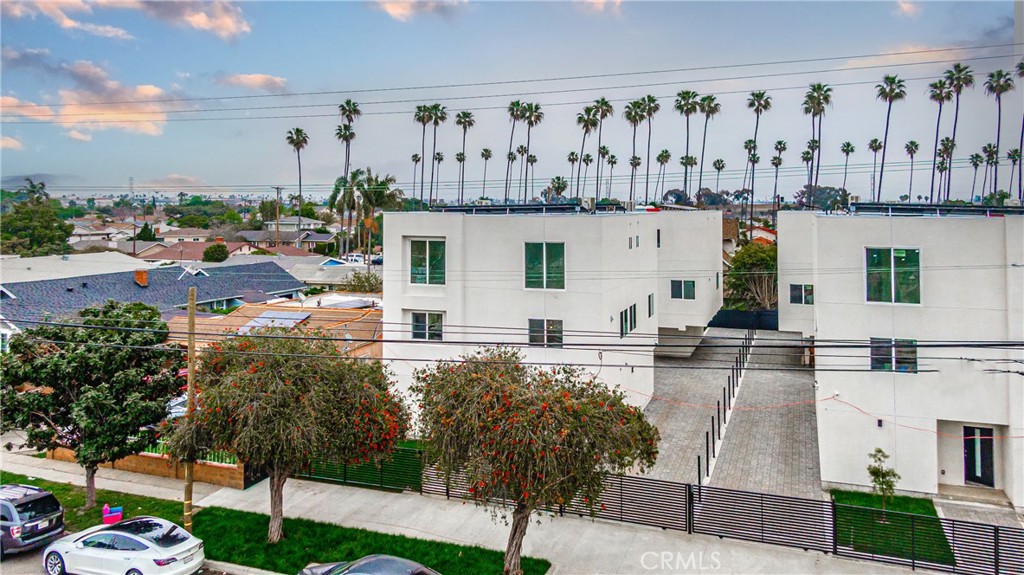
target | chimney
x=142, y=278
x=219, y=239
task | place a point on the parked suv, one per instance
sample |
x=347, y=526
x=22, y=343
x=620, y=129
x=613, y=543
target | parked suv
x=30, y=517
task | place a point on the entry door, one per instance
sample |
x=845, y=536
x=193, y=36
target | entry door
x=978, y=461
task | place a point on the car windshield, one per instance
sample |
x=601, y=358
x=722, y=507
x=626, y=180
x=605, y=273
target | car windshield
x=382, y=565
x=45, y=505
x=160, y=533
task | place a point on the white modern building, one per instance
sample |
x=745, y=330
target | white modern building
x=894, y=289
x=596, y=290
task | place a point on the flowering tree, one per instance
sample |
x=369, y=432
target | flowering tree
x=527, y=436
x=279, y=400
x=95, y=391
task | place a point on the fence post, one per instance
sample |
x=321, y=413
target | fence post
x=689, y=504
x=835, y=529
x=419, y=452
x=561, y=509
x=762, y=518
x=718, y=410
x=913, y=545
x=344, y=472
x=707, y=454
x=699, y=469
x=725, y=400
x=714, y=453
x=995, y=541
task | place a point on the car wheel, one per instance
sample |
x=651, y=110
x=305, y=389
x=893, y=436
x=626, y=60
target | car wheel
x=54, y=564
x=133, y=572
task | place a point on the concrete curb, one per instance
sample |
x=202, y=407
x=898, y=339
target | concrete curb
x=236, y=569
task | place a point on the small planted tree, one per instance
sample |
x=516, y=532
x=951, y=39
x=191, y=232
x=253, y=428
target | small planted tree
x=883, y=479
x=97, y=392
x=268, y=401
x=752, y=282
x=530, y=437
x=217, y=252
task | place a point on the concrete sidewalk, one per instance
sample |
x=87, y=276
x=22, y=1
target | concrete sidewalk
x=573, y=545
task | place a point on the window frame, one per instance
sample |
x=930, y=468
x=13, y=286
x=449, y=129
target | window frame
x=885, y=355
x=801, y=294
x=551, y=278
x=430, y=273
x=426, y=332
x=675, y=287
x=650, y=305
x=897, y=276
x=543, y=332
x=692, y=284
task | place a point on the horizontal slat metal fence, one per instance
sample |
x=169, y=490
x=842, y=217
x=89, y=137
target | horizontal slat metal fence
x=764, y=518
x=403, y=471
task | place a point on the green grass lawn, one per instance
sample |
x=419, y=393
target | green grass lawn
x=908, y=529
x=240, y=537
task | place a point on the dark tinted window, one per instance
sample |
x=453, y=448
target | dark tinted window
x=45, y=505
x=122, y=543
x=101, y=541
x=161, y=533
x=5, y=514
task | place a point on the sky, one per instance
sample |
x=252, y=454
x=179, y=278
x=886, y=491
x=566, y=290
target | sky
x=198, y=96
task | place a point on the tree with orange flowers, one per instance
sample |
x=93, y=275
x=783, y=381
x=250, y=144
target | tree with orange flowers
x=526, y=436
x=280, y=399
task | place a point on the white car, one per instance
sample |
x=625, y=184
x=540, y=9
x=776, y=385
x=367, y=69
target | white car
x=136, y=546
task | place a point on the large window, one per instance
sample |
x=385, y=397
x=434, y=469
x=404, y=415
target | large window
x=545, y=265
x=893, y=354
x=427, y=325
x=684, y=289
x=893, y=275
x=546, y=332
x=801, y=294
x=427, y=262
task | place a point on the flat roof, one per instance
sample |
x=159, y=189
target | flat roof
x=887, y=209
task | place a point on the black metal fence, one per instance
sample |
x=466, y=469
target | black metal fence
x=723, y=407
x=856, y=532
x=404, y=471
x=767, y=319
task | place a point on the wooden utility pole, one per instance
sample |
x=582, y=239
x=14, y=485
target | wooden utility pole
x=277, y=221
x=190, y=404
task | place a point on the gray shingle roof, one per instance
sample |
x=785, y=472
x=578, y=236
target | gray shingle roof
x=253, y=236
x=318, y=237
x=33, y=300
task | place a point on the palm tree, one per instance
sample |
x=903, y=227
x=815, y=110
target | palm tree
x=989, y=151
x=521, y=152
x=812, y=106
x=760, y=102
x=812, y=147
x=634, y=114
x=530, y=161
x=533, y=116
x=460, y=157
x=485, y=155
x=807, y=157
x=438, y=158
x=465, y=121
x=957, y=78
x=939, y=92
x=892, y=89
x=377, y=194
x=349, y=199
x=604, y=110
x=558, y=186
x=663, y=158
x=634, y=163
x=753, y=159
x=975, y=160
x=587, y=120
x=416, y=159
x=688, y=163
x=423, y=117
x=298, y=139
x=942, y=168
x=776, y=163
x=687, y=103
x=515, y=113
x=345, y=133
x=573, y=157
x=749, y=147
x=1014, y=157
x=611, y=160
x=911, y=148
x=1019, y=71
x=823, y=99
x=349, y=111
x=710, y=107
x=997, y=84
x=718, y=165
x=847, y=148
x=586, y=160
x=438, y=116
x=651, y=107
x=875, y=145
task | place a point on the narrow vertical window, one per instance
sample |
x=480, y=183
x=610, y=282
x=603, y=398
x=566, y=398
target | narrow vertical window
x=435, y=262
x=677, y=289
x=657, y=237
x=426, y=262
x=554, y=266
x=535, y=265
x=879, y=278
x=554, y=332
x=906, y=265
x=536, y=332
x=689, y=289
x=650, y=305
x=418, y=262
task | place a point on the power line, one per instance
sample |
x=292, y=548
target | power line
x=552, y=79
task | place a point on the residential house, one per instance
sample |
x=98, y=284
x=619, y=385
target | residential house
x=305, y=239
x=565, y=287
x=730, y=235
x=191, y=252
x=763, y=235
x=894, y=305
x=135, y=248
x=14, y=269
x=311, y=269
x=293, y=224
x=185, y=235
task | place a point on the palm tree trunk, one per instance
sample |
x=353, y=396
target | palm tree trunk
x=433, y=152
x=529, y=129
x=956, y=117
x=775, y=198
x=686, y=168
x=984, y=183
x=910, y=191
x=483, y=187
x=885, y=147
x=462, y=166
x=817, y=163
x=703, y=143
x=586, y=170
x=508, y=167
x=413, y=192
x=579, y=169
x=521, y=188
x=974, y=184
x=597, y=181
x=718, y=178
x=999, y=131
x=810, y=166
x=935, y=157
x=746, y=167
x=874, y=172
x=846, y=165
x=298, y=157
x=753, y=166
x=647, y=178
x=423, y=157
x=1020, y=164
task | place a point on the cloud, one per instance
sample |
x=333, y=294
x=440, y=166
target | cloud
x=79, y=136
x=58, y=13
x=264, y=82
x=9, y=143
x=405, y=10
x=918, y=53
x=601, y=5
x=218, y=17
x=95, y=102
x=172, y=180
x=907, y=8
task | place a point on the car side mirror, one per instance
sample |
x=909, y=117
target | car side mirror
x=79, y=545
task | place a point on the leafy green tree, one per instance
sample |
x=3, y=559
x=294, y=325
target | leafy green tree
x=193, y=221
x=363, y=282
x=264, y=400
x=146, y=233
x=90, y=204
x=32, y=227
x=218, y=252
x=752, y=281
x=232, y=217
x=528, y=437
x=103, y=388
x=883, y=479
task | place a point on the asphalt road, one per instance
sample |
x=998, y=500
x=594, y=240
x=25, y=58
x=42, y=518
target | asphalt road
x=31, y=563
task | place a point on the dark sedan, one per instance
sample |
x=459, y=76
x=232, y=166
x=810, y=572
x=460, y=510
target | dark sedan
x=370, y=565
